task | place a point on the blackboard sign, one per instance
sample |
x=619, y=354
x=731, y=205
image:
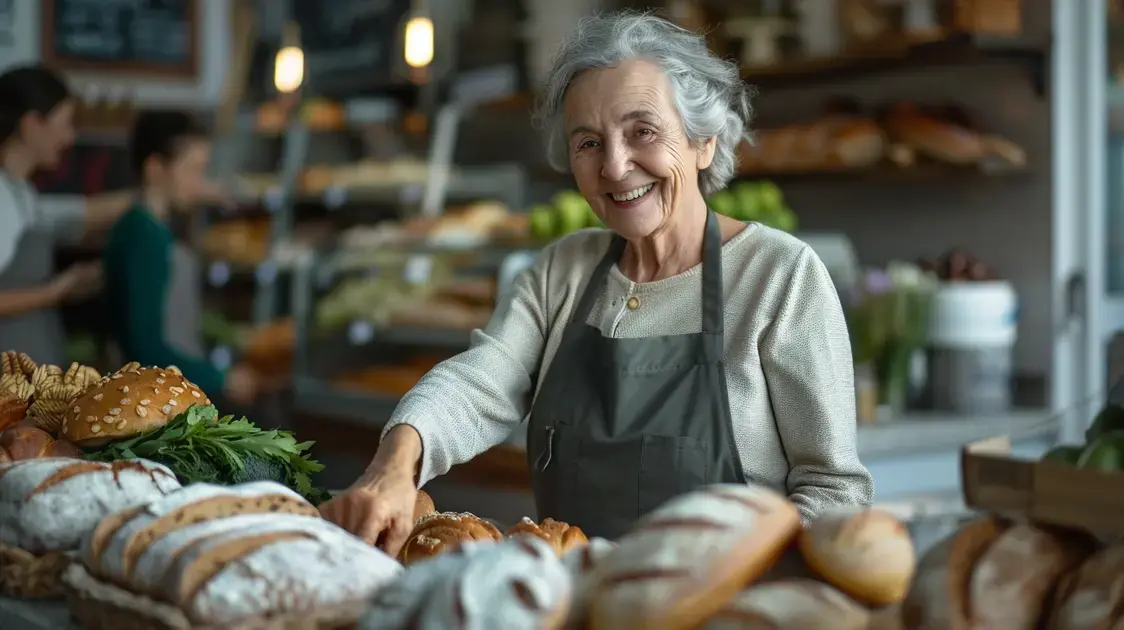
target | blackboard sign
x=136, y=36
x=350, y=46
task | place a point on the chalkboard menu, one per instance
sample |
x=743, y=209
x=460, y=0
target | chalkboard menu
x=136, y=36
x=350, y=46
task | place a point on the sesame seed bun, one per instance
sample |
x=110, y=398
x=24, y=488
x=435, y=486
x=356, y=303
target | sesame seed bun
x=127, y=403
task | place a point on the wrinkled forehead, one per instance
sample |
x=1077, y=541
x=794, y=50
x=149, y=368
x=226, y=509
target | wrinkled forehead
x=608, y=97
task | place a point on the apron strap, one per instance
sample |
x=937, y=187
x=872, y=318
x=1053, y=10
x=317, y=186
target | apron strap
x=713, y=298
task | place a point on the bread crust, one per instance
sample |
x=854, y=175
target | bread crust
x=866, y=553
x=563, y=537
x=439, y=532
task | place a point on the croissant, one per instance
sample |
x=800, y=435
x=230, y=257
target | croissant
x=439, y=532
x=561, y=536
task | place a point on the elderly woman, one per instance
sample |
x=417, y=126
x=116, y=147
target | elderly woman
x=676, y=348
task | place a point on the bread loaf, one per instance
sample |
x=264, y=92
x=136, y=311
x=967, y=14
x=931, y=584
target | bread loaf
x=1013, y=579
x=792, y=605
x=685, y=560
x=51, y=504
x=423, y=505
x=581, y=563
x=440, y=531
x=1092, y=597
x=866, y=553
x=193, y=504
x=561, y=536
x=13, y=409
x=938, y=597
x=24, y=441
x=399, y=604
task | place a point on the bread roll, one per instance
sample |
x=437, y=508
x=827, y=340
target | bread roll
x=1092, y=597
x=439, y=532
x=791, y=605
x=52, y=504
x=129, y=402
x=12, y=410
x=1013, y=579
x=423, y=505
x=24, y=441
x=561, y=536
x=866, y=553
x=938, y=597
x=685, y=560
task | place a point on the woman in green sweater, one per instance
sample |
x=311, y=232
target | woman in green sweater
x=151, y=279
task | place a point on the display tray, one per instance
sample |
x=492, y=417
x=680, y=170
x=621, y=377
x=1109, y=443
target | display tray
x=1043, y=491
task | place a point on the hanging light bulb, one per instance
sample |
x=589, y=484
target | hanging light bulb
x=419, y=42
x=288, y=69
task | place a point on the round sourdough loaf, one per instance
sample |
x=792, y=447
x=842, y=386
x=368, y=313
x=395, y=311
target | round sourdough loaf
x=866, y=553
x=439, y=532
x=795, y=604
x=129, y=402
x=1092, y=597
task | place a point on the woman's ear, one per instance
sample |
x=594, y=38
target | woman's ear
x=705, y=154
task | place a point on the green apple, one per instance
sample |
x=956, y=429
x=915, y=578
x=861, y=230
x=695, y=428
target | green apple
x=723, y=202
x=785, y=219
x=592, y=220
x=749, y=202
x=543, y=222
x=571, y=211
x=770, y=195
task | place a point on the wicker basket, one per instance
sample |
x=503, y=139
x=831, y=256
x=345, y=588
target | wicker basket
x=988, y=17
x=25, y=575
x=97, y=605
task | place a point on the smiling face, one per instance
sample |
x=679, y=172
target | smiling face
x=628, y=151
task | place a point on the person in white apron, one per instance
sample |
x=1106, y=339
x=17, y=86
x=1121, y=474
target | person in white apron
x=36, y=127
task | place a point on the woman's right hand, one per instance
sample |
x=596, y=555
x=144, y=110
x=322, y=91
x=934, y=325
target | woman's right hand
x=77, y=282
x=379, y=508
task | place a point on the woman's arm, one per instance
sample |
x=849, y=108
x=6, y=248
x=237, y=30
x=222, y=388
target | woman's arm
x=19, y=301
x=142, y=272
x=473, y=401
x=72, y=217
x=806, y=356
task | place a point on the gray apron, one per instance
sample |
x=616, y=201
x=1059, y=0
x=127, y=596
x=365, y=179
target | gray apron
x=620, y=426
x=182, y=319
x=38, y=333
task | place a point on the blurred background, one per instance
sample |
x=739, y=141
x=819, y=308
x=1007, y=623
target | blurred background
x=955, y=163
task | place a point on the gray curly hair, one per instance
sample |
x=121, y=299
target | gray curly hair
x=712, y=99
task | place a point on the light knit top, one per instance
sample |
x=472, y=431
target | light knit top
x=788, y=361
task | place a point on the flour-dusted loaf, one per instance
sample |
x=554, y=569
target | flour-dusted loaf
x=1092, y=597
x=283, y=573
x=400, y=603
x=194, y=504
x=1012, y=581
x=938, y=597
x=52, y=504
x=865, y=552
x=790, y=605
x=685, y=560
x=581, y=563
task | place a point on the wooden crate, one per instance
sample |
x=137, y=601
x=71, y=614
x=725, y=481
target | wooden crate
x=988, y=17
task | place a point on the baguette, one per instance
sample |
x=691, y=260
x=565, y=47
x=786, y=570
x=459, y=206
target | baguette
x=938, y=597
x=561, y=536
x=193, y=504
x=51, y=504
x=1092, y=597
x=866, y=553
x=686, y=559
x=790, y=605
x=1013, y=579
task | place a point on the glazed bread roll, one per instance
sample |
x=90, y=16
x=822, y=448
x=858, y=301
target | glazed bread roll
x=938, y=597
x=423, y=505
x=1014, y=578
x=791, y=605
x=561, y=536
x=685, y=560
x=12, y=409
x=1092, y=597
x=24, y=441
x=438, y=532
x=866, y=553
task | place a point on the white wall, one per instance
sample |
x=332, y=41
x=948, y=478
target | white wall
x=213, y=49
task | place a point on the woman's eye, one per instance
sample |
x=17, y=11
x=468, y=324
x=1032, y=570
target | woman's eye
x=587, y=144
x=644, y=132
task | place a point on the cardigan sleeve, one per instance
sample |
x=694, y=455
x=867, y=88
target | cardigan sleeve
x=806, y=358
x=143, y=267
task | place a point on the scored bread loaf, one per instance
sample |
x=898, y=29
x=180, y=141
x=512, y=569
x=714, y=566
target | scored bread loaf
x=282, y=572
x=51, y=504
x=790, y=605
x=866, y=553
x=562, y=536
x=399, y=603
x=938, y=597
x=1014, y=578
x=581, y=562
x=1092, y=597
x=685, y=560
x=438, y=532
x=193, y=504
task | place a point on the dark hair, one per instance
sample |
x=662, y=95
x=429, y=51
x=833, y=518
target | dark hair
x=161, y=134
x=28, y=89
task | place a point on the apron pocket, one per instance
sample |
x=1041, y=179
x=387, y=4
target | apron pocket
x=669, y=467
x=552, y=453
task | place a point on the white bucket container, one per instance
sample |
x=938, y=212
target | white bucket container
x=972, y=334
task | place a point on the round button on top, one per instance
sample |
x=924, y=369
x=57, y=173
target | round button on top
x=633, y=303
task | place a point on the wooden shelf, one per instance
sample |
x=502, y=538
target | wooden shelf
x=923, y=171
x=896, y=56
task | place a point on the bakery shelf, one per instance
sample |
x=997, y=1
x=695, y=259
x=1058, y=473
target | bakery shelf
x=928, y=171
x=955, y=50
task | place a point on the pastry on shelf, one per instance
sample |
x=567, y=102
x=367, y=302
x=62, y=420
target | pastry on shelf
x=440, y=532
x=562, y=537
x=26, y=441
x=949, y=135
